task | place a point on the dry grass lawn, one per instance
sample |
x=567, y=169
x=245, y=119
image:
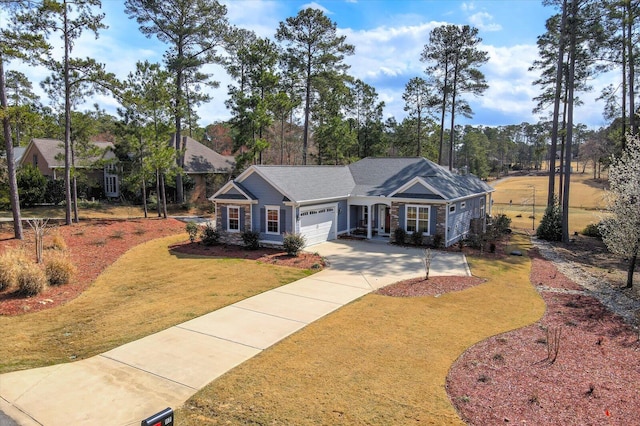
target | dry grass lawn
x=586, y=200
x=377, y=361
x=147, y=290
x=107, y=211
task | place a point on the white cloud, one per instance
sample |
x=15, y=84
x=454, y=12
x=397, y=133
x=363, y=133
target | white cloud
x=467, y=7
x=314, y=5
x=483, y=21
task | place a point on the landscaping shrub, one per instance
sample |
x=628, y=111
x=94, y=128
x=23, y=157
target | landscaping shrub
x=58, y=242
x=192, y=230
x=501, y=223
x=58, y=268
x=251, y=239
x=55, y=192
x=31, y=279
x=416, y=238
x=550, y=227
x=10, y=262
x=293, y=243
x=31, y=185
x=438, y=241
x=400, y=236
x=210, y=235
x=475, y=241
x=592, y=230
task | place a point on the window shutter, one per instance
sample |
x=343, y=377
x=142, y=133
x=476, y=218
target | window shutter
x=263, y=220
x=241, y=218
x=225, y=214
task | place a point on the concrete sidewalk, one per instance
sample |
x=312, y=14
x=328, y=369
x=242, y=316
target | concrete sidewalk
x=129, y=383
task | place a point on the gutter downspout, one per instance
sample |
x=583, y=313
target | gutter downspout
x=446, y=224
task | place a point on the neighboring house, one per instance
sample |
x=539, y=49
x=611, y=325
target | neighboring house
x=48, y=156
x=374, y=196
x=203, y=165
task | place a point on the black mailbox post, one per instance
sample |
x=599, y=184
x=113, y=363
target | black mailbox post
x=163, y=418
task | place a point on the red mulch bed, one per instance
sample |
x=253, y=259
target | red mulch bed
x=508, y=379
x=434, y=286
x=96, y=244
x=274, y=256
x=93, y=245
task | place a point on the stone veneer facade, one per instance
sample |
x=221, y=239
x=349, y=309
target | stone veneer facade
x=440, y=212
x=232, y=237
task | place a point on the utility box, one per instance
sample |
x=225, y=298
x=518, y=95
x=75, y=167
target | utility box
x=163, y=418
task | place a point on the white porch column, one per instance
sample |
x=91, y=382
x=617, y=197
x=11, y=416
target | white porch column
x=369, y=219
x=348, y=217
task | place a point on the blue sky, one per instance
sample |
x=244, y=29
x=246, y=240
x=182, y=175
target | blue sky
x=388, y=37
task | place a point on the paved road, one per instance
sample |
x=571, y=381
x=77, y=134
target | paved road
x=131, y=382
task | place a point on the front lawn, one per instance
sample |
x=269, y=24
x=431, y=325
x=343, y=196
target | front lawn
x=379, y=360
x=146, y=290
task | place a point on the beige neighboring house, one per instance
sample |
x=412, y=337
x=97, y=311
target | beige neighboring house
x=202, y=164
x=48, y=156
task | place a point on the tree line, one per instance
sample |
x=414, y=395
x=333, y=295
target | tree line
x=293, y=100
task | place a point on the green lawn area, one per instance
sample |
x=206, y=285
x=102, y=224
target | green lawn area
x=377, y=361
x=146, y=290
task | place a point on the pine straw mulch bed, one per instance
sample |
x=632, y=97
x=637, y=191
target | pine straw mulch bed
x=95, y=244
x=519, y=378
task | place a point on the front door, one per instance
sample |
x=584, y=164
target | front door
x=383, y=219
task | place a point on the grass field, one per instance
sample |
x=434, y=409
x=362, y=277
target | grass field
x=514, y=196
x=377, y=361
x=147, y=290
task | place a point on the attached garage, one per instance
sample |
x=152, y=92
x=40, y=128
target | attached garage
x=318, y=224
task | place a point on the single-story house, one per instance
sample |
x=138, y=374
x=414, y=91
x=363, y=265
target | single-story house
x=202, y=163
x=374, y=196
x=48, y=156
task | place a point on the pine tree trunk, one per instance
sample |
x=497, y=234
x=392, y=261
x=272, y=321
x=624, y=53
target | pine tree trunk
x=67, y=121
x=11, y=165
x=556, y=108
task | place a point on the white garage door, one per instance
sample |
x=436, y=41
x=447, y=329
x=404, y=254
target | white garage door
x=318, y=225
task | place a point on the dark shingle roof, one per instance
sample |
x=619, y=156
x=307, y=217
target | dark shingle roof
x=201, y=159
x=305, y=183
x=371, y=177
x=52, y=151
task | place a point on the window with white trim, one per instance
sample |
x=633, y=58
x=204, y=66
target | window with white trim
x=452, y=208
x=272, y=217
x=463, y=205
x=417, y=219
x=233, y=218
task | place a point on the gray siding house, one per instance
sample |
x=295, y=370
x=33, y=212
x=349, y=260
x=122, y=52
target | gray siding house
x=372, y=197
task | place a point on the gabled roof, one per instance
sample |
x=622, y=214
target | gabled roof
x=233, y=191
x=386, y=176
x=306, y=183
x=200, y=159
x=52, y=152
x=369, y=177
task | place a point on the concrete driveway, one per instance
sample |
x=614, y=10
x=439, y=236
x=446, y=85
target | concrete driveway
x=132, y=382
x=382, y=264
